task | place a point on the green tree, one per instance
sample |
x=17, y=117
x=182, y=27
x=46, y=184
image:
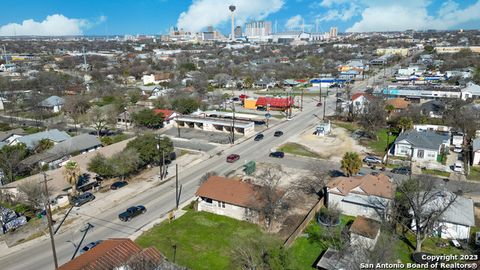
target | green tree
x=188, y=67
x=148, y=118
x=146, y=147
x=351, y=163
x=42, y=145
x=134, y=95
x=10, y=157
x=72, y=173
x=248, y=83
x=125, y=163
x=186, y=105
x=476, y=75
x=100, y=165
x=405, y=123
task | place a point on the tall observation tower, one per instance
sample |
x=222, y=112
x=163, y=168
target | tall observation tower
x=232, y=10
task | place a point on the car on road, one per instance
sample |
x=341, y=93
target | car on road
x=90, y=246
x=372, y=159
x=401, y=170
x=118, y=184
x=232, y=158
x=278, y=133
x=277, y=154
x=457, y=149
x=319, y=104
x=458, y=166
x=83, y=199
x=259, y=137
x=132, y=212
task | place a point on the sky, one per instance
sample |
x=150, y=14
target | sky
x=119, y=17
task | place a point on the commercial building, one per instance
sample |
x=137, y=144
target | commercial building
x=420, y=91
x=456, y=49
x=258, y=29
x=245, y=128
x=398, y=51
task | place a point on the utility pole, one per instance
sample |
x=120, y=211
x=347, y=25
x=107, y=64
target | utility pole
x=176, y=187
x=178, y=127
x=301, y=102
x=49, y=218
x=233, y=123
x=324, y=105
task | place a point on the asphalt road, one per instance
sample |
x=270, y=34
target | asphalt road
x=158, y=200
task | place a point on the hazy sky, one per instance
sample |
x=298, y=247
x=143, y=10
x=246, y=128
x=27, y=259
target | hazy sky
x=100, y=17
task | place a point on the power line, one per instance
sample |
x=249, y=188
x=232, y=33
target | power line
x=49, y=218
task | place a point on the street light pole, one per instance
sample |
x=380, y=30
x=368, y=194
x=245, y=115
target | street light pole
x=49, y=218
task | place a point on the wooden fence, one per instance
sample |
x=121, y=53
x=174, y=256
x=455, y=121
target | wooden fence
x=299, y=229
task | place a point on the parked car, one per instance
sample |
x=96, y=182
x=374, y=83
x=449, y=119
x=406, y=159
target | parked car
x=319, y=104
x=90, y=246
x=278, y=133
x=259, y=137
x=458, y=166
x=83, y=199
x=477, y=238
x=457, y=149
x=372, y=159
x=232, y=158
x=277, y=154
x=132, y=212
x=401, y=170
x=118, y=184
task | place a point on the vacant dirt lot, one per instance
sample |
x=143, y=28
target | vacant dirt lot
x=331, y=147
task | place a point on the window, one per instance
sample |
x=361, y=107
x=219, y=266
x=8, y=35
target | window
x=431, y=154
x=208, y=200
x=420, y=153
x=221, y=204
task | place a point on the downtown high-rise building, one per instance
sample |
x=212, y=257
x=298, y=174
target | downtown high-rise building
x=238, y=32
x=333, y=32
x=258, y=28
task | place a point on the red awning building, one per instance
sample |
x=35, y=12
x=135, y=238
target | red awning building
x=275, y=103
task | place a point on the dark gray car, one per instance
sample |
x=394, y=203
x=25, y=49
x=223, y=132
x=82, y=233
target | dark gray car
x=83, y=199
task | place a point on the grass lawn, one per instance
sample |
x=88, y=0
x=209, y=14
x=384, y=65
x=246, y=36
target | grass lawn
x=404, y=249
x=436, y=172
x=297, y=149
x=305, y=252
x=380, y=146
x=204, y=240
x=474, y=173
x=346, y=125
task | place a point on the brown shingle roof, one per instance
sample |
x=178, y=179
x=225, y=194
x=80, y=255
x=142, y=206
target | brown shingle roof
x=378, y=185
x=365, y=227
x=109, y=254
x=229, y=191
x=398, y=103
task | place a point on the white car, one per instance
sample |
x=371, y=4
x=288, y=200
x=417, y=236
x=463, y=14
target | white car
x=457, y=149
x=458, y=167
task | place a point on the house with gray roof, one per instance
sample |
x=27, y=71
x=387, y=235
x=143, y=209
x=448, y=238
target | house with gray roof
x=62, y=151
x=420, y=145
x=456, y=220
x=476, y=151
x=53, y=103
x=8, y=136
x=54, y=135
x=471, y=90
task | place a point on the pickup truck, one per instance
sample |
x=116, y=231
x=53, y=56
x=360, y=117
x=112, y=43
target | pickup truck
x=132, y=212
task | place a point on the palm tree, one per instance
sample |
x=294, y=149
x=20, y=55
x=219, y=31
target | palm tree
x=405, y=123
x=351, y=163
x=72, y=173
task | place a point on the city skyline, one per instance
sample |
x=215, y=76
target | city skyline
x=53, y=17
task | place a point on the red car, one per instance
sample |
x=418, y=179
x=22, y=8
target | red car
x=232, y=158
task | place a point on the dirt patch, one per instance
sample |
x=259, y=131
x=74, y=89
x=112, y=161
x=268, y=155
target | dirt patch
x=331, y=147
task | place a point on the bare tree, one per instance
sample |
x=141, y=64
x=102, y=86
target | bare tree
x=424, y=204
x=101, y=117
x=374, y=117
x=272, y=197
x=34, y=193
x=314, y=182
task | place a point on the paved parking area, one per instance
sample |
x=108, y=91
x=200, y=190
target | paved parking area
x=199, y=135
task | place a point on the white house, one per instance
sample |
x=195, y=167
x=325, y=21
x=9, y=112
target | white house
x=368, y=196
x=476, y=151
x=457, y=219
x=426, y=146
x=364, y=232
x=229, y=197
x=359, y=102
x=156, y=78
x=472, y=90
x=53, y=103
